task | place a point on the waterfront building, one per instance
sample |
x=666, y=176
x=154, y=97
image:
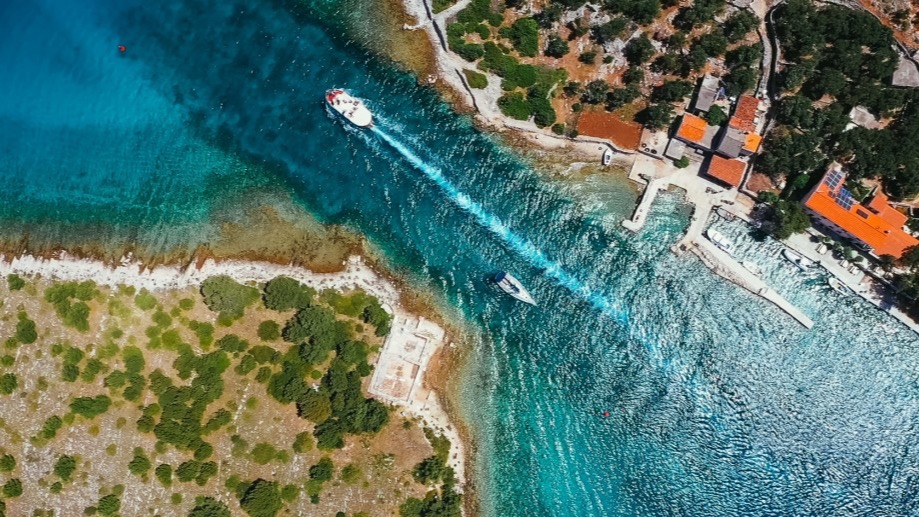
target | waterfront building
x=876, y=226
x=727, y=172
x=695, y=132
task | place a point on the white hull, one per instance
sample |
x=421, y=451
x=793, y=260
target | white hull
x=350, y=108
x=607, y=156
x=513, y=287
x=718, y=239
x=840, y=287
x=796, y=259
x=752, y=267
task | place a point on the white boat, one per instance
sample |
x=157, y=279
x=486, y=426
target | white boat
x=718, y=239
x=513, y=287
x=607, y=156
x=798, y=260
x=752, y=267
x=351, y=108
x=840, y=287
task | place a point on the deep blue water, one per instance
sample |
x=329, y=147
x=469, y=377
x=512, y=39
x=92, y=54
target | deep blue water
x=719, y=403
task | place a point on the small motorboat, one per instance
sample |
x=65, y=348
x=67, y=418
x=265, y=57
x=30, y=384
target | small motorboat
x=513, y=287
x=719, y=239
x=607, y=156
x=840, y=287
x=752, y=267
x=797, y=259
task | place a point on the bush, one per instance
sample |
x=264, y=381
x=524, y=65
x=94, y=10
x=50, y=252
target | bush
x=524, y=34
x=351, y=473
x=188, y=470
x=596, y=91
x=72, y=314
x=12, y=488
x=588, y=58
x=514, y=105
x=323, y=470
x=144, y=300
x=639, y=50
x=263, y=453
x=109, y=505
x=682, y=163
x=283, y=293
x=739, y=24
x=50, y=427
x=556, y=47
x=225, y=296
x=475, y=79
x=208, y=506
x=7, y=463
x=90, y=407
x=261, y=499
x=672, y=91
x=8, y=383
x=315, y=323
x=558, y=129
x=15, y=282
x=140, y=464
x=716, y=115
x=163, y=473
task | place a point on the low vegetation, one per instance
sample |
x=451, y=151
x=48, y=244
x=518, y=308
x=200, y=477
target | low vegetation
x=155, y=392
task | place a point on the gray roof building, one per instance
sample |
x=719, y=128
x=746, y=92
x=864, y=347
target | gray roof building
x=675, y=149
x=731, y=143
x=708, y=90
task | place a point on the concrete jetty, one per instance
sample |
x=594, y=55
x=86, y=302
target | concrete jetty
x=658, y=175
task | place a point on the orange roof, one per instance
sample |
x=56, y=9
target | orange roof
x=624, y=135
x=745, y=114
x=728, y=171
x=692, y=128
x=860, y=222
x=880, y=206
x=752, y=142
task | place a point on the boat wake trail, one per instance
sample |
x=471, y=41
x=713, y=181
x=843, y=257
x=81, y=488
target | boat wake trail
x=523, y=247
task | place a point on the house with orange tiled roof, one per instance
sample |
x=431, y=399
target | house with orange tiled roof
x=878, y=226
x=725, y=171
x=745, y=114
x=694, y=131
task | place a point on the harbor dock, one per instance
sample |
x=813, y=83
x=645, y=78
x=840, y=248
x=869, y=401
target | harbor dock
x=704, y=196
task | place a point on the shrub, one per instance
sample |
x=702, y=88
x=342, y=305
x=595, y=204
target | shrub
x=588, y=58
x=261, y=499
x=716, y=115
x=682, y=163
x=231, y=343
x=558, y=129
x=475, y=79
x=284, y=293
x=207, y=471
x=8, y=383
x=140, y=464
x=163, y=473
x=144, y=300
x=514, y=105
x=188, y=470
x=25, y=329
x=50, y=427
x=7, y=463
x=269, y=330
x=303, y=443
x=227, y=297
x=72, y=314
x=351, y=473
x=524, y=34
x=317, y=323
x=109, y=505
x=639, y=50
x=323, y=470
x=12, y=488
x=556, y=47
x=15, y=282
x=90, y=407
x=209, y=507
x=263, y=453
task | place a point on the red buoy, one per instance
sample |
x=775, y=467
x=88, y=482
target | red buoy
x=122, y=48
x=606, y=413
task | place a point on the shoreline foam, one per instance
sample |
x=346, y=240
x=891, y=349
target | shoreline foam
x=356, y=274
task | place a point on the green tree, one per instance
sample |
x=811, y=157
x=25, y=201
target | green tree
x=7, y=463
x=209, y=507
x=15, y=282
x=12, y=488
x=789, y=219
x=65, y=466
x=714, y=43
x=140, y=464
x=739, y=80
x=588, y=58
x=224, y=295
x=261, y=499
x=8, y=383
x=657, y=116
x=596, y=91
x=284, y=293
x=109, y=505
x=90, y=407
x=556, y=47
x=910, y=258
x=323, y=470
x=716, y=115
x=610, y=30
x=682, y=163
x=739, y=25
x=163, y=473
x=639, y=50
x=672, y=91
x=633, y=76
x=524, y=34
x=475, y=79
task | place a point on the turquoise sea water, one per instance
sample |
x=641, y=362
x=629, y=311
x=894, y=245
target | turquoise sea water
x=719, y=403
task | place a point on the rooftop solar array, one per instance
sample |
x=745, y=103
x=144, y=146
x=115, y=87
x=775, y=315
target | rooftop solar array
x=845, y=199
x=834, y=178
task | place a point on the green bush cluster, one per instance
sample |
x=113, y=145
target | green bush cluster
x=25, y=329
x=227, y=297
x=456, y=39
x=90, y=407
x=477, y=12
x=475, y=79
x=72, y=314
x=12, y=488
x=360, y=305
x=7, y=463
x=524, y=34
x=269, y=330
x=437, y=503
x=64, y=467
x=15, y=282
x=8, y=383
x=284, y=293
x=203, y=331
x=209, y=507
x=50, y=428
x=140, y=463
x=260, y=498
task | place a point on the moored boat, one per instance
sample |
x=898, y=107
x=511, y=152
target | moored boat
x=351, y=108
x=840, y=287
x=719, y=239
x=607, y=156
x=513, y=287
x=797, y=259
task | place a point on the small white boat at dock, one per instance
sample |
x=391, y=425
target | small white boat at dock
x=797, y=259
x=840, y=287
x=607, y=156
x=513, y=287
x=719, y=239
